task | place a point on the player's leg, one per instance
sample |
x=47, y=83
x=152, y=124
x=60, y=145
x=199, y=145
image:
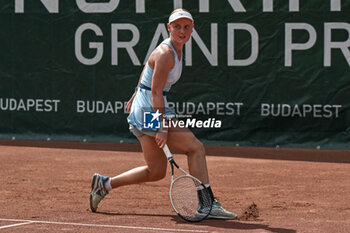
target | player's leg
x=155, y=168
x=183, y=140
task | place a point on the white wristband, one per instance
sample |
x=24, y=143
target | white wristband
x=163, y=130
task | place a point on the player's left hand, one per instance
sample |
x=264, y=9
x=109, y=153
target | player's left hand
x=129, y=104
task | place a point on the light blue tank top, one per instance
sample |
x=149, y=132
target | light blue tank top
x=173, y=75
x=143, y=99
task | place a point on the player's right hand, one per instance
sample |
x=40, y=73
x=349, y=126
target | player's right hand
x=161, y=138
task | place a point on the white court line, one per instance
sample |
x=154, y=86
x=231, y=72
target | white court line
x=99, y=225
x=17, y=224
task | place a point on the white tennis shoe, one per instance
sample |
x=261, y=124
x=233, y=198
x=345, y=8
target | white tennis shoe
x=217, y=212
x=98, y=190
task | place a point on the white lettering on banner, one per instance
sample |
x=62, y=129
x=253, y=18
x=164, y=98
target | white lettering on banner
x=203, y=5
x=231, y=61
x=185, y=109
x=302, y=111
x=140, y=6
x=116, y=44
x=267, y=5
x=92, y=45
x=290, y=46
x=212, y=54
x=52, y=6
x=101, y=107
x=328, y=44
x=236, y=6
x=335, y=5
x=206, y=108
x=98, y=7
x=293, y=5
x=37, y=105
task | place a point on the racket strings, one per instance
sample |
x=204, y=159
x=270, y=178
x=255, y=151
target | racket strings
x=190, y=203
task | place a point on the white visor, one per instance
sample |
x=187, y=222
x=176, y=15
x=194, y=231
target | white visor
x=180, y=14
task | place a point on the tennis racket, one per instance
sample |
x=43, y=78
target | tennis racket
x=191, y=200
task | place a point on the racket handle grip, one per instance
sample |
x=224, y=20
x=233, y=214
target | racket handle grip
x=167, y=152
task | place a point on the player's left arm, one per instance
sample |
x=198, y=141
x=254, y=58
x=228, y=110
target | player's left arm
x=163, y=62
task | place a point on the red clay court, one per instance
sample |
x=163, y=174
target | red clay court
x=46, y=185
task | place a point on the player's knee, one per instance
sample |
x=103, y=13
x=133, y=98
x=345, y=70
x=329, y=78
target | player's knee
x=200, y=149
x=157, y=174
x=197, y=149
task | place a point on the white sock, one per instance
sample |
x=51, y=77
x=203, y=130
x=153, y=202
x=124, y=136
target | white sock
x=108, y=185
x=201, y=187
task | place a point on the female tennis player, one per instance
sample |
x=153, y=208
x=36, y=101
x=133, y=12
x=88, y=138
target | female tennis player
x=162, y=70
